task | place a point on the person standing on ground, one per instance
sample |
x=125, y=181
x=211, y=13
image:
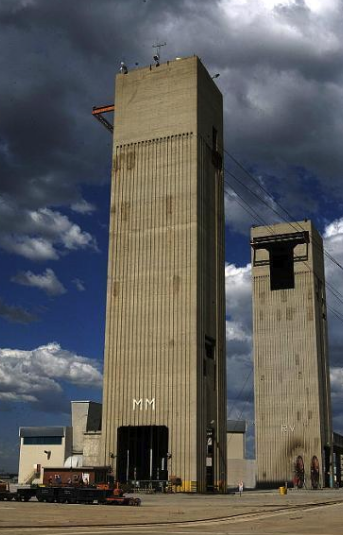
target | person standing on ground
x=240, y=487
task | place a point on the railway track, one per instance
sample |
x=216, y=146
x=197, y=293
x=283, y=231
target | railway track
x=267, y=512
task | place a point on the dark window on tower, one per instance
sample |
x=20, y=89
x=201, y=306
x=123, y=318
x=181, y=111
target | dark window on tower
x=216, y=156
x=209, y=348
x=281, y=268
x=214, y=139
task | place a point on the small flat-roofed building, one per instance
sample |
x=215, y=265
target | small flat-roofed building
x=238, y=467
x=236, y=433
x=42, y=447
x=85, y=418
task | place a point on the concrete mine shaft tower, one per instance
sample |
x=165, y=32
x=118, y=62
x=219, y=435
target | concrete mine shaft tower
x=164, y=401
x=292, y=383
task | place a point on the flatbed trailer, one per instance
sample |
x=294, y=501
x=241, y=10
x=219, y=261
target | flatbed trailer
x=25, y=494
x=20, y=495
x=7, y=495
x=84, y=495
x=69, y=494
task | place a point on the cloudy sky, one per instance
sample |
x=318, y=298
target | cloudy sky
x=281, y=74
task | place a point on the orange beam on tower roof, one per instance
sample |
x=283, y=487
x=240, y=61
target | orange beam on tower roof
x=103, y=109
x=97, y=113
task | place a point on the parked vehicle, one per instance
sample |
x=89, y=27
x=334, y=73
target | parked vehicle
x=101, y=494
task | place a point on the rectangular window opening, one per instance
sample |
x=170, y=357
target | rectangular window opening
x=214, y=139
x=45, y=441
x=281, y=268
x=217, y=159
x=209, y=347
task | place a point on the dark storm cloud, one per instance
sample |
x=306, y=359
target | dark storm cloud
x=49, y=142
x=281, y=75
x=61, y=62
x=336, y=357
x=15, y=314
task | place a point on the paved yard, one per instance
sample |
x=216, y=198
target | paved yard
x=298, y=513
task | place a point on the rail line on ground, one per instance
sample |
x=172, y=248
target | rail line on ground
x=233, y=518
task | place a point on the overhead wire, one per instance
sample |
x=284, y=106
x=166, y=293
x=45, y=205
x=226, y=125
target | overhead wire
x=257, y=217
x=335, y=312
x=237, y=399
x=336, y=293
x=293, y=223
x=251, y=211
x=331, y=289
x=329, y=286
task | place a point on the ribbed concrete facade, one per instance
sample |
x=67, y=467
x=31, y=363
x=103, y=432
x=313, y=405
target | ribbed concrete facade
x=292, y=390
x=165, y=324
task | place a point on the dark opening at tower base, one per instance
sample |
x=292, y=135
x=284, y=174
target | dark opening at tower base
x=142, y=454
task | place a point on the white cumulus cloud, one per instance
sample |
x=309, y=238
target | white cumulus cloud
x=240, y=403
x=83, y=207
x=42, y=234
x=37, y=375
x=46, y=281
x=79, y=285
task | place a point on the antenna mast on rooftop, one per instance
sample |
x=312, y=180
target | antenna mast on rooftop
x=158, y=47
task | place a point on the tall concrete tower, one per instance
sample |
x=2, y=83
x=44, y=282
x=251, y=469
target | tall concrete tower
x=164, y=378
x=292, y=389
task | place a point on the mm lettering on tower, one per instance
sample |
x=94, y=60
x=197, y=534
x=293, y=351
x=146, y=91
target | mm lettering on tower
x=148, y=403
x=164, y=374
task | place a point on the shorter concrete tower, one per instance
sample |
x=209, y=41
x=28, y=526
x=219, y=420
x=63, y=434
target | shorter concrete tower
x=292, y=389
